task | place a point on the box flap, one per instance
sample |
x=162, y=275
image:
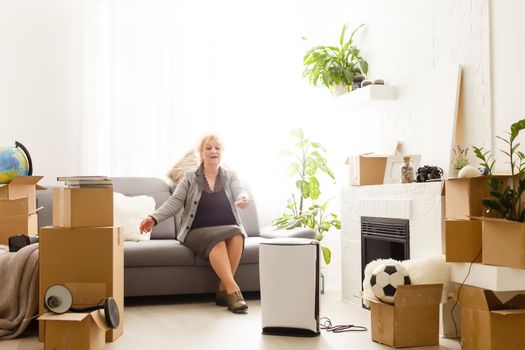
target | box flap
x=98, y=317
x=509, y=312
x=517, y=302
x=68, y=316
x=25, y=180
x=478, y=298
x=418, y=294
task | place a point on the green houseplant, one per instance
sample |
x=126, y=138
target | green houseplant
x=307, y=160
x=506, y=194
x=333, y=66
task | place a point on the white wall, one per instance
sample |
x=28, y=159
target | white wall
x=508, y=72
x=40, y=61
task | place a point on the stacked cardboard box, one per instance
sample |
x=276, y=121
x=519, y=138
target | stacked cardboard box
x=489, y=320
x=18, y=207
x=82, y=247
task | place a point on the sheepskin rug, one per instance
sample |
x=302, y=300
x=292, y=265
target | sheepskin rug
x=427, y=270
x=129, y=212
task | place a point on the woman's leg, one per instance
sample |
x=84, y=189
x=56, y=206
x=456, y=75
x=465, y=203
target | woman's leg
x=234, y=247
x=220, y=262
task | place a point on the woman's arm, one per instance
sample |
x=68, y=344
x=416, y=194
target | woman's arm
x=174, y=203
x=240, y=195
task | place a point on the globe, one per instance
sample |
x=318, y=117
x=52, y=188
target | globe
x=13, y=162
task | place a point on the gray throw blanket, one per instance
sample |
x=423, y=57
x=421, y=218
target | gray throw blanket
x=18, y=290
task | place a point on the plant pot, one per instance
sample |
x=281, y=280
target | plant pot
x=338, y=90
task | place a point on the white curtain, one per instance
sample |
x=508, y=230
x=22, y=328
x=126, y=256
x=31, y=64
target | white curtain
x=159, y=74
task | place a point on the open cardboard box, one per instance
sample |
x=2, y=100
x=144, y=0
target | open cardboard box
x=413, y=320
x=369, y=168
x=82, y=207
x=463, y=240
x=83, y=255
x=22, y=186
x=503, y=242
x=79, y=331
x=15, y=220
x=490, y=320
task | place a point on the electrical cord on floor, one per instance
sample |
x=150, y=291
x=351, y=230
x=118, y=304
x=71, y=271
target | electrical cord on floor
x=326, y=324
x=457, y=299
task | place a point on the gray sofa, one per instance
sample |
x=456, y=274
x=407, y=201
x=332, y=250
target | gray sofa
x=162, y=266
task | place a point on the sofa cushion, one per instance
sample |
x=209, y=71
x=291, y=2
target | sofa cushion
x=153, y=187
x=159, y=252
x=249, y=256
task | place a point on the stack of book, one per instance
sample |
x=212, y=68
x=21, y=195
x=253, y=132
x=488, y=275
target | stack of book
x=86, y=181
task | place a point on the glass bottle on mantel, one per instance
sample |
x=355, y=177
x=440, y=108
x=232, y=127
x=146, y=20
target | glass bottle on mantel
x=407, y=172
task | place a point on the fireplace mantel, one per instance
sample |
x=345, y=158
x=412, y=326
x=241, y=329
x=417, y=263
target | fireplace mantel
x=420, y=203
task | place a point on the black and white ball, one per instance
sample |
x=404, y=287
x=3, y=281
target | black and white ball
x=385, y=279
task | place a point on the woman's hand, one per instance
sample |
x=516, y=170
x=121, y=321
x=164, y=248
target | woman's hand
x=147, y=225
x=242, y=202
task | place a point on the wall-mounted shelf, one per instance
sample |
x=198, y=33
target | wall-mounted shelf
x=375, y=92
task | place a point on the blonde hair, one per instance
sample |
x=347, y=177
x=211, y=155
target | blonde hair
x=206, y=139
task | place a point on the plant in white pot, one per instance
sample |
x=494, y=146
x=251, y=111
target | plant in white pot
x=335, y=67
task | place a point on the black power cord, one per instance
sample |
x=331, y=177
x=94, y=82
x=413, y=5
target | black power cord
x=326, y=324
x=457, y=299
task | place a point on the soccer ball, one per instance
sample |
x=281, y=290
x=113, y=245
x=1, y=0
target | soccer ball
x=385, y=279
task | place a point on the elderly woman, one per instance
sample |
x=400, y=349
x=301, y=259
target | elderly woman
x=210, y=225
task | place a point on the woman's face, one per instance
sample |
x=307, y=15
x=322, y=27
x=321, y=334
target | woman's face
x=211, y=153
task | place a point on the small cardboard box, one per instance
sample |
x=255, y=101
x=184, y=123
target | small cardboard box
x=82, y=207
x=503, y=243
x=366, y=169
x=22, y=186
x=77, y=330
x=413, y=320
x=83, y=255
x=14, y=219
x=490, y=321
x=463, y=240
x=464, y=197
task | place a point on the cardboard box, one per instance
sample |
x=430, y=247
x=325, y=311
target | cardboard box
x=367, y=169
x=503, y=243
x=490, y=323
x=82, y=207
x=83, y=255
x=464, y=197
x=412, y=321
x=463, y=240
x=77, y=330
x=22, y=186
x=14, y=219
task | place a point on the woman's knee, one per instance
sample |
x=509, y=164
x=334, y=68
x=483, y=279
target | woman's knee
x=237, y=240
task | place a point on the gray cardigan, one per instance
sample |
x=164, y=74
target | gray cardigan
x=185, y=199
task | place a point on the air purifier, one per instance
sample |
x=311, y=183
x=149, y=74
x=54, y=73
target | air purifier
x=289, y=277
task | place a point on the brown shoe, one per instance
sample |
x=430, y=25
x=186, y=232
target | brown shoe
x=220, y=297
x=236, y=303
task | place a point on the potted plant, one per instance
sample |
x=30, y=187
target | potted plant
x=306, y=161
x=504, y=239
x=335, y=67
x=460, y=159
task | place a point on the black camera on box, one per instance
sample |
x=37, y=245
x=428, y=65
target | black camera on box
x=20, y=241
x=429, y=173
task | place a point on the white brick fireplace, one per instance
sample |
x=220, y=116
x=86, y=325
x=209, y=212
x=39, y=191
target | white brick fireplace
x=420, y=203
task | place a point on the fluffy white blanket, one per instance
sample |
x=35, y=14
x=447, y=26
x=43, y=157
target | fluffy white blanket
x=18, y=290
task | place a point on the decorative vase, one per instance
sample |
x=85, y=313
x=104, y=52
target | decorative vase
x=338, y=90
x=407, y=172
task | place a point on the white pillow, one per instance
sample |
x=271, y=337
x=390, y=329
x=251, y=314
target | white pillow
x=129, y=212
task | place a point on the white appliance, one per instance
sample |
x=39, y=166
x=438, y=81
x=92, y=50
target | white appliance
x=289, y=277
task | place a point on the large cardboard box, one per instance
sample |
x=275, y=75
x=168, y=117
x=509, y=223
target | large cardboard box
x=22, y=186
x=464, y=197
x=82, y=207
x=503, y=243
x=77, y=330
x=489, y=322
x=413, y=320
x=463, y=240
x=83, y=255
x=14, y=219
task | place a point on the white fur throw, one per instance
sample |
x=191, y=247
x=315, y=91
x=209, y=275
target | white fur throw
x=428, y=270
x=129, y=212
x=188, y=162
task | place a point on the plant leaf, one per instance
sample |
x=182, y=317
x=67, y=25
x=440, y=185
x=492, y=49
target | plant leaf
x=327, y=255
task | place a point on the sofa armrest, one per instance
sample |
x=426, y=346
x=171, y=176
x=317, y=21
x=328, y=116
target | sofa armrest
x=299, y=232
